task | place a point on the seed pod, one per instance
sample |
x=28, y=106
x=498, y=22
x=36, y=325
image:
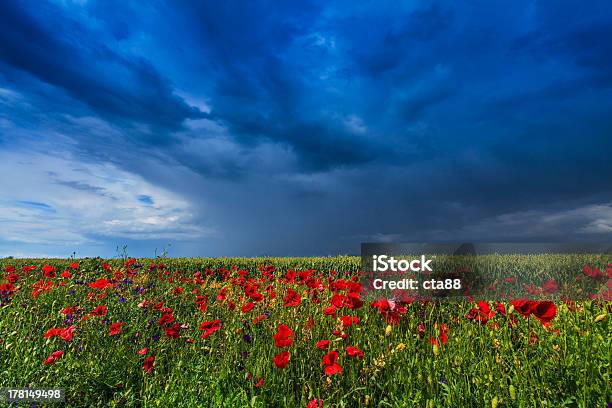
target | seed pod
x=512, y=392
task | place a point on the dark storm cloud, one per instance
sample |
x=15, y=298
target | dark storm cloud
x=260, y=91
x=55, y=48
x=576, y=36
x=393, y=41
x=286, y=74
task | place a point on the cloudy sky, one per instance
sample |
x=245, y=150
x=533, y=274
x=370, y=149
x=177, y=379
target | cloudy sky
x=301, y=128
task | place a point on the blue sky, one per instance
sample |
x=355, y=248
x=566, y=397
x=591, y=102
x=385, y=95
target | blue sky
x=301, y=128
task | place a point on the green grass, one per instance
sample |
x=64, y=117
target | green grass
x=479, y=366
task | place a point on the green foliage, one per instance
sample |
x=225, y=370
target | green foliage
x=520, y=363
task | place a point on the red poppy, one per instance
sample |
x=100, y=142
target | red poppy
x=259, y=318
x=174, y=331
x=114, y=328
x=443, y=336
x=315, y=403
x=391, y=310
x=99, y=311
x=482, y=313
x=260, y=383
x=549, y=287
x=53, y=357
x=143, y=351
x=100, y=284
x=256, y=296
x=421, y=330
x=284, y=336
x=352, y=300
x=330, y=362
x=248, y=307
x=74, y=265
x=52, y=332
x=338, y=300
x=12, y=278
x=49, y=274
x=66, y=274
x=210, y=327
x=346, y=321
x=251, y=292
x=7, y=287
x=354, y=352
x=323, y=344
x=221, y=295
x=485, y=310
x=593, y=273
x=523, y=306
x=201, y=302
x=67, y=310
x=166, y=318
x=48, y=271
x=148, y=364
x=67, y=332
x=292, y=298
x=330, y=311
x=281, y=360
x=545, y=311
x=41, y=286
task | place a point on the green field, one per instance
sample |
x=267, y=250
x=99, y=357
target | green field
x=425, y=354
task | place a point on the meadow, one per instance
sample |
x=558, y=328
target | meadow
x=294, y=332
